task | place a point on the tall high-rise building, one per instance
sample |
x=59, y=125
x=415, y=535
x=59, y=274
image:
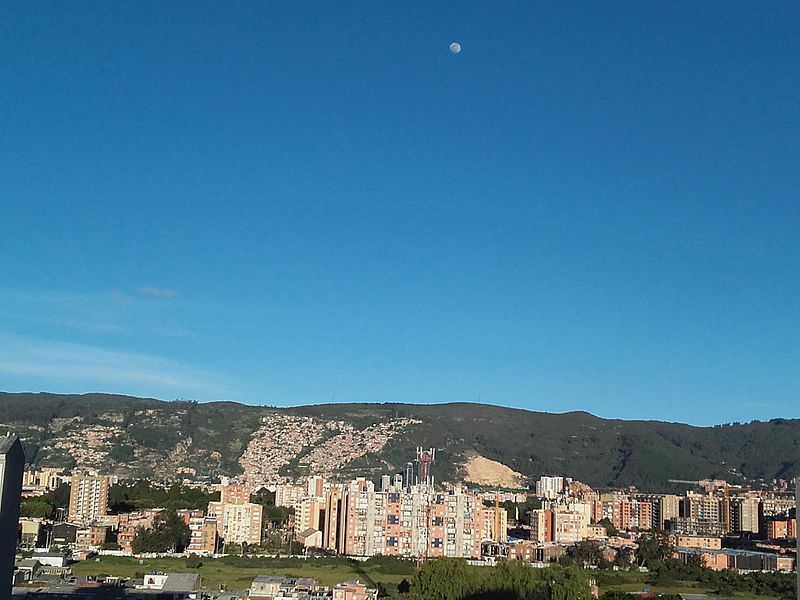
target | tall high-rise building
x=88, y=498
x=702, y=507
x=642, y=514
x=549, y=487
x=408, y=480
x=668, y=509
x=315, y=486
x=420, y=523
x=542, y=525
x=797, y=533
x=334, y=515
x=745, y=514
x=12, y=464
x=617, y=508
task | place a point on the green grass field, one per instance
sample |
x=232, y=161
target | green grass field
x=216, y=573
x=636, y=582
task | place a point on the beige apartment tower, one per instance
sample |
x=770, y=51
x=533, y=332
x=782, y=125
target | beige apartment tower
x=88, y=498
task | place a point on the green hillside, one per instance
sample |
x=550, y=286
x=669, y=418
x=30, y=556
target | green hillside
x=151, y=437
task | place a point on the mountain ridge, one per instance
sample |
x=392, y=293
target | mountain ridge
x=148, y=437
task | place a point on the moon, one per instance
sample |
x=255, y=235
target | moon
x=455, y=47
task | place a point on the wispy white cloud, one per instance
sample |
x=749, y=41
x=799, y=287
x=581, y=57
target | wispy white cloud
x=113, y=314
x=155, y=292
x=62, y=364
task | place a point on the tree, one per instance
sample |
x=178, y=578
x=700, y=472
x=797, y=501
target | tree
x=175, y=532
x=146, y=540
x=569, y=584
x=142, y=494
x=169, y=533
x=654, y=548
x=696, y=560
x=587, y=552
x=404, y=587
x=264, y=497
x=275, y=516
x=610, y=529
x=37, y=508
x=625, y=556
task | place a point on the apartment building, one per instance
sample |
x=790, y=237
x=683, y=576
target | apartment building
x=492, y=529
x=364, y=519
x=780, y=528
x=128, y=524
x=237, y=523
x=668, y=509
x=745, y=514
x=463, y=524
x=290, y=495
x=701, y=507
x=569, y=527
x=616, y=508
x=234, y=493
x=238, y=520
x=88, y=498
x=697, y=541
x=415, y=523
x=41, y=481
x=92, y=537
x=542, y=525
x=332, y=523
x=310, y=514
x=641, y=514
x=549, y=487
x=203, y=538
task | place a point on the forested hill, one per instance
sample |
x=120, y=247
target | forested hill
x=138, y=436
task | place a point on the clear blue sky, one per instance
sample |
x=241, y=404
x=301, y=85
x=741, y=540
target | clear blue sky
x=593, y=206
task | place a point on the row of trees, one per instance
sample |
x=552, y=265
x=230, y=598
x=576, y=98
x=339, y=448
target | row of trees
x=142, y=494
x=454, y=579
x=652, y=549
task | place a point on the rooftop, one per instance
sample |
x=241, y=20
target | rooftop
x=182, y=582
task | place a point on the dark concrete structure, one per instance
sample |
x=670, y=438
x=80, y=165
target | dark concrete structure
x=12, y=464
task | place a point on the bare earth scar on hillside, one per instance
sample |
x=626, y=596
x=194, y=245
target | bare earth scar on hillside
x=484, y=471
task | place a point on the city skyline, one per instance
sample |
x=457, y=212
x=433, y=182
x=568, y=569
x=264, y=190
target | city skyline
x=586, y=208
